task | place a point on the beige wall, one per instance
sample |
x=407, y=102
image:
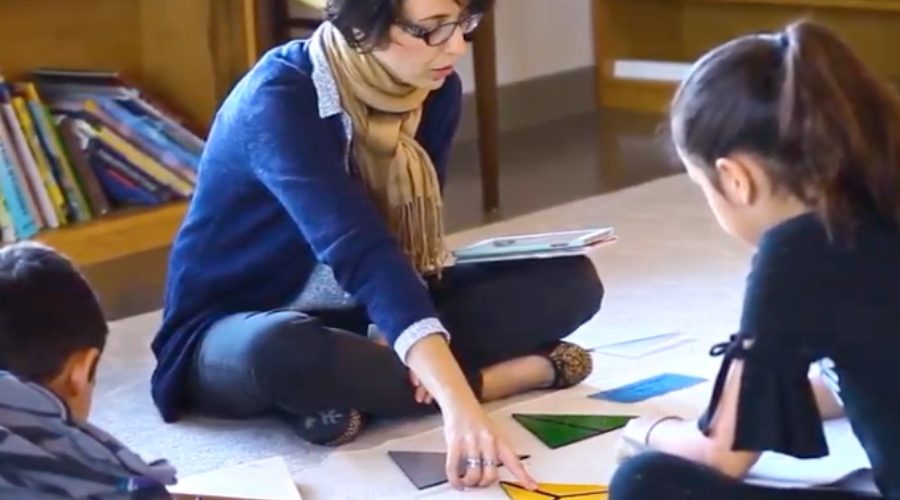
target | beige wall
x=537, y=38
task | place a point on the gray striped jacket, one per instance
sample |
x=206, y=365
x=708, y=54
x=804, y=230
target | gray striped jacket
x=46, y=455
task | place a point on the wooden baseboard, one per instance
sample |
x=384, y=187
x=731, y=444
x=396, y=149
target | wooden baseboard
x=636, y=95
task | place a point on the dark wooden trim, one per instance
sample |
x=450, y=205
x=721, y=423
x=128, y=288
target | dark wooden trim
x=485, y=59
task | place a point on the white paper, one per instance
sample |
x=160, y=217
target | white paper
x=267, y=479
x=638, y=346
x=846, y=458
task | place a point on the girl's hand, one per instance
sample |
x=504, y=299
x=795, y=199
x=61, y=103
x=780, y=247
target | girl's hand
x=634, y=438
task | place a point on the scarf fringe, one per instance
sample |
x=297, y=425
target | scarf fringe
x=419, y=228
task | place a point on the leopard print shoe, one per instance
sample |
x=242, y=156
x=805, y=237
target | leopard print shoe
x=571, y=364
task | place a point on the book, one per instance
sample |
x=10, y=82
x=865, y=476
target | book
x=69, y=87
x=143, y=161
x=17, y=164
x=24, y=225
x=534, y=246
x=7, y=231
x=63, y=171
x=847, y=460
x=60, y=204
x=127, y=178
x=36, y=180
x=143, y=135
x=76, y=145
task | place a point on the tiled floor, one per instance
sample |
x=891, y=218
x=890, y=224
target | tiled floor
x=541, y=167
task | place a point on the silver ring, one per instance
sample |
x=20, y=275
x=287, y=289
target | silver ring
x=490, y=463
x=474, y=463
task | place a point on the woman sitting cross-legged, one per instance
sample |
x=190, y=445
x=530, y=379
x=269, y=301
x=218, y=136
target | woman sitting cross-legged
x=318, y=218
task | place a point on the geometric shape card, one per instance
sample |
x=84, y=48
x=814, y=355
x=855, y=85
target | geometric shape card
x=557, y=431
x=426, y=469
x=603, y=423
x=649, y=388
x=554, y=491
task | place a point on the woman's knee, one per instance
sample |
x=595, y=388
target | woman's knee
x=240, y=358
x=580, y=289
x=286, y=343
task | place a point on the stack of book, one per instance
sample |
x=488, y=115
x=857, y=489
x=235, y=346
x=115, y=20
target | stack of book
x=76, y=145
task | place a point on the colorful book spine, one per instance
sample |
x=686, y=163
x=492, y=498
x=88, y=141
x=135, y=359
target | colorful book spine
x=75, y=145
x=124, y=182
x=51, y=142
x=18, y=171
x=142, y=135
x=24, y=225
x=32, y=171
x=60, y=203
x=145, y=162
x=7, y=231
x=134, y=174
x=178, y=132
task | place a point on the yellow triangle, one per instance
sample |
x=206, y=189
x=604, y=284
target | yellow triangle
x=553, y=491
x=581, y=490
x=516, y=492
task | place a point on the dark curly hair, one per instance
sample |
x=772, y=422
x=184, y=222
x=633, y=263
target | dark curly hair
x=366, y=23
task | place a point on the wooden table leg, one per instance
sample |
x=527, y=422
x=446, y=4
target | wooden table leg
x=485, y=58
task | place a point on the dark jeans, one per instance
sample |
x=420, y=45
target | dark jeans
x=303, y=362
x=657, y=476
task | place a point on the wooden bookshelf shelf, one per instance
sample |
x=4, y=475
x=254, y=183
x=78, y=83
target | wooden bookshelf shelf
x=679, y=31
x=117, y=235
x=185, y=53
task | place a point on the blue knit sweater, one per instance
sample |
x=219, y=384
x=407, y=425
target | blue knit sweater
x=275, y=196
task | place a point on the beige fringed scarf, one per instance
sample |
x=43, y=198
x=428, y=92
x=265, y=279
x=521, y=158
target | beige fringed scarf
x=397, y=171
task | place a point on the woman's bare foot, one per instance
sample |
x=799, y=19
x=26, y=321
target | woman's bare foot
x=515, y=377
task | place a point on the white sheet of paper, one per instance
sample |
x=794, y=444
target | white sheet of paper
x=846, y=458
x=640, y=346
x=267, y=479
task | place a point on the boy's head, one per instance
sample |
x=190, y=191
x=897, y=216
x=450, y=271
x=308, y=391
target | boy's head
x=52, y=329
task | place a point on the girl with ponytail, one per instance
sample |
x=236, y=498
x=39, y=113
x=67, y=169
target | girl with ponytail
x=796, y=145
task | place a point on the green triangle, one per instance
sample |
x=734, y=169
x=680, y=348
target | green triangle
x=603, y=423
x=555, y=434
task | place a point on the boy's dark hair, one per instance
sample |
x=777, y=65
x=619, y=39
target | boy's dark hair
x=826, y=127
x=366, y=23
x=48, y=311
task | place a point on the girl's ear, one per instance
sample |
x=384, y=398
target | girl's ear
x=738, y=184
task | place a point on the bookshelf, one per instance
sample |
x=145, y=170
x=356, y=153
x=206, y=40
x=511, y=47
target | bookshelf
x=185, y=53
x=642, y=33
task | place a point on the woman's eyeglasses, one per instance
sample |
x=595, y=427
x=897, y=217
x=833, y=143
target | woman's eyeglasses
x=441, y=33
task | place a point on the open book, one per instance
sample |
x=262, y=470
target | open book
x=534, y=246
x=846, y=467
